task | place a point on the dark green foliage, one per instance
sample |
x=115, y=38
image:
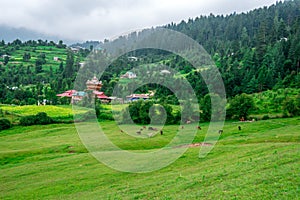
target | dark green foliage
x=31, y=68
x=6, y=59
x=241, y=106
x=265, y=117
x=102, y=113
x=38, y=119
x=26, y=57
x=146, y=112
x=105, y=116
x=292, y=106
x=69, y=69
x=254, y=52
x=205, y=108
x=4, y=124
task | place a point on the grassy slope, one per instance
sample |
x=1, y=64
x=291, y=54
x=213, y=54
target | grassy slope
x=50, y=52
x=52, y=111
x=260, y=162
x=271, y=101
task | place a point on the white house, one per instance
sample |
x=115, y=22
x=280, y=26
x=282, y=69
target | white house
x=129, y=75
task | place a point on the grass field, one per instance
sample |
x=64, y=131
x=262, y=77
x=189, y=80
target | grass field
x=49, y=162
x=52, y=111
x=50, y=52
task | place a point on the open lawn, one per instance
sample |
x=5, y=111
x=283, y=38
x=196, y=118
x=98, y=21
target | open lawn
x=49, y=162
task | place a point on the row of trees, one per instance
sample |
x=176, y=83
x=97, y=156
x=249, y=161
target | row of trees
x=240, y=107
x=33, y=43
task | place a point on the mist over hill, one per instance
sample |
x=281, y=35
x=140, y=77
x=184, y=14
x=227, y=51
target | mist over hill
x=10, y=34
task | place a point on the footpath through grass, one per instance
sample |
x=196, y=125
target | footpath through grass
x=49, y=162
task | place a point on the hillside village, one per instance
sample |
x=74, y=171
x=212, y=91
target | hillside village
x=148, y=126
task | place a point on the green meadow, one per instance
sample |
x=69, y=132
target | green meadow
x=49, y=51
x=56, y=112
x=261, y=161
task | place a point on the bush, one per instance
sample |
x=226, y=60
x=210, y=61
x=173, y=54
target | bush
x=38, y=119
x=265, y=117
x=241, y=106
x=4, y=124
x=31, y=101
x=28, y=120
x=290, y=105
x=106, y=116
x=146, y=112
x=42, y=118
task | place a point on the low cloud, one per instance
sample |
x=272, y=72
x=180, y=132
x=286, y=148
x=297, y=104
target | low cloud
x=99, y=19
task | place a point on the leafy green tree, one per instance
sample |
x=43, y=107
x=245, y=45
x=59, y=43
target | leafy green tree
x=144, y=110
x=61, y=68
x=26, y=57
x=39, y=66
x=205, y=108
x=6, y=60
x=291, y=106
x=4, y=124
x=241, y=106
x=69, y=69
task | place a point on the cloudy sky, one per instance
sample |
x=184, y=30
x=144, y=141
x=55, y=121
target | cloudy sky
x=99, y=19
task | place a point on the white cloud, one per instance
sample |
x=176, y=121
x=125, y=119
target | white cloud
x=99, y=19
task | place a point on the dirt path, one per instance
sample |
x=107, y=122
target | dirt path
x=193, y=145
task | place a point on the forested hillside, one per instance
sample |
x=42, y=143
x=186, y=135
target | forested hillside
x=36, y=70
x=254, y=51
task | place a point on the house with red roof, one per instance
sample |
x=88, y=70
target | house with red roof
x=93, y=85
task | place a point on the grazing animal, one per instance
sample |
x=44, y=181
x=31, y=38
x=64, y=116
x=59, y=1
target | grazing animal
x=198, y=127
x=182, y=127
x=122, y=131
x=144, y=127
x=152, y=129
x=220, y=131
x=161, y=132
x=139, y=132
x=141, y=129
x=188, y=121
x=240, y=128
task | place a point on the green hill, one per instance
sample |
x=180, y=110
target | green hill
x=35, y=70
x=49, y=162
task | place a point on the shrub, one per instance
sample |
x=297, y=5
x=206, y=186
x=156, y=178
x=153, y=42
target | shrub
x=290, y=105
x=31, y=101
x=42, y=118
x=39, y=119
x=146, y=112
x=265, y=117
x=105, y=116
x=28, y=120
x=241, y=106
x=4, y=124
